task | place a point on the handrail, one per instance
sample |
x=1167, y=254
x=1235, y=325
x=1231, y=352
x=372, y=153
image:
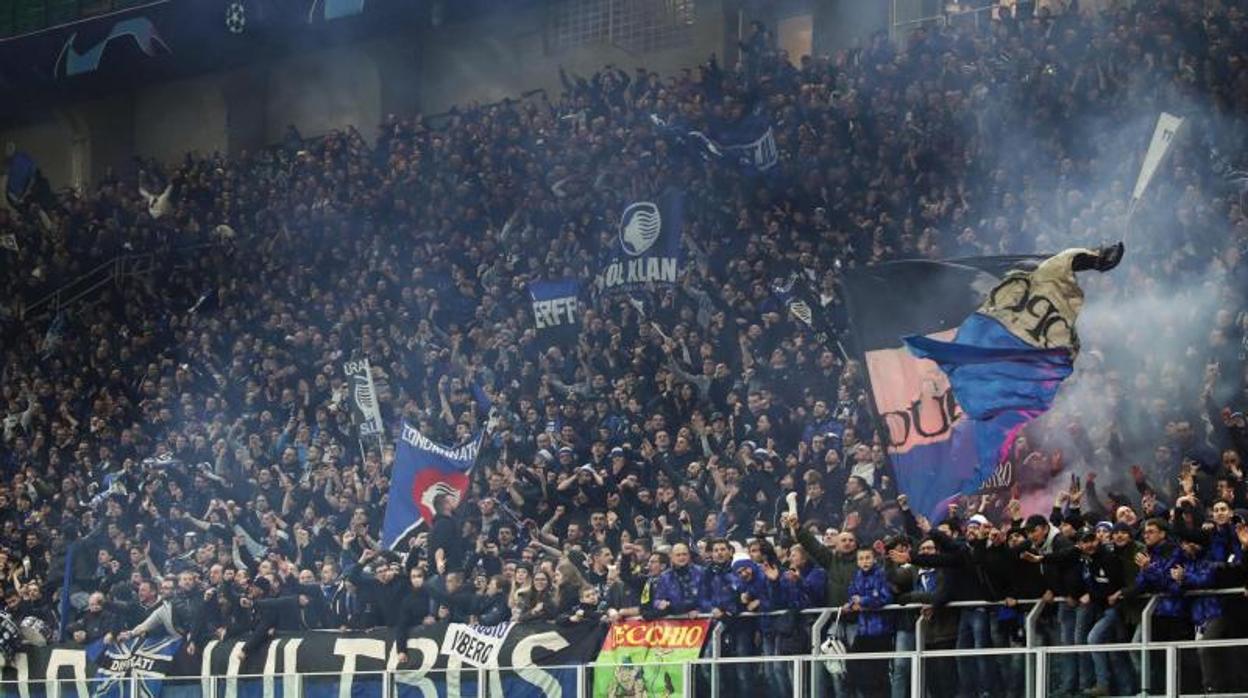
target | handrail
x=111, y=270
x=916, y=605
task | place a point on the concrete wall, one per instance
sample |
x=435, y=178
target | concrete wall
x=175, y=118
x=838, y=24
x=504, y=54
x=51, y=143
x=500, y=55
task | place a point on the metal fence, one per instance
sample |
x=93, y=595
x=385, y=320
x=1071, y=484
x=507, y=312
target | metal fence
x=1027, y=669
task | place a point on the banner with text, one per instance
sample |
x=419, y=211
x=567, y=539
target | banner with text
x=323, y=664
x=556, y=313
x=363, y=400
x=643, y=658
x=647, y=248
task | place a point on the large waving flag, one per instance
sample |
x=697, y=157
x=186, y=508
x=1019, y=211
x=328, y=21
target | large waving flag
x=987, y=344
x=423, y=471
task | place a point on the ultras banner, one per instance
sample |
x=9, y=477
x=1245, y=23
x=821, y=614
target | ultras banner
x=331, y=664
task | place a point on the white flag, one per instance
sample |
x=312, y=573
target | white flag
x=1163, y=136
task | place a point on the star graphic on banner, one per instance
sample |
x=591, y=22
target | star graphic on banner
x=133, y=658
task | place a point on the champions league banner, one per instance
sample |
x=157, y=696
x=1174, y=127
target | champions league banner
x=647, y=248
x=324, y=664
x=556, y=311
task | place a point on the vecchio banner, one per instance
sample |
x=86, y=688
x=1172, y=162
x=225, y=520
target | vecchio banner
x=329, y=664
x=642, y=658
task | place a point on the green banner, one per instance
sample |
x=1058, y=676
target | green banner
x=644, y=658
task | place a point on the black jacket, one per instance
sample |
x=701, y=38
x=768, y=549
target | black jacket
x=417, y=605
x=377, y=600
x=966, y=566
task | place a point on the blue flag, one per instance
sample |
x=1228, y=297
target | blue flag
x=647, y=248
x=1007, y=360
x=423, y=471
x=931, y=441
x=556, y=311
x=147, y=659
x=749, y=144
x=22, y=171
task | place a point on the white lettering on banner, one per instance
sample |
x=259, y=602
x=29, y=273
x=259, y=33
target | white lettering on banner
x=522, y=657
x=417, y=678
x=23, y=675
x=290, y=679
x=554, y=312
x=637, y=271
x=475, y=645
x=467, y=452
x=349, y=648
x=232, y=667
x=205, y=668
x=454, y=670
x=270, y=668
x=74, y=659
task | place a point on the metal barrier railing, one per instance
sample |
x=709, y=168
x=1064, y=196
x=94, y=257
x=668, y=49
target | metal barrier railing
x=807, y=673
x=113, y=271
x=975, y=15
x=801, y=669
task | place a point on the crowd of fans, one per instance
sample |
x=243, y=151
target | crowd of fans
x=178, y=456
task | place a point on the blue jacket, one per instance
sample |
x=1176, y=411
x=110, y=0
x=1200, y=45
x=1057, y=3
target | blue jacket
x=756, y=588
x=682, y=598
x=719, y=589
x=873, y=590
x=1156, y=578
x=1224, y=546
x=807, y=592
x=1199, y=574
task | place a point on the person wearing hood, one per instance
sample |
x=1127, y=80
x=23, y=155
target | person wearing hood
x=870, y=590
x=721, y=598
x=1195, y=571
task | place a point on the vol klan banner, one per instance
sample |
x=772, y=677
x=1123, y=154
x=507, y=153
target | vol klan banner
x=316, y=665
x=643, y=658
x=931, y=442
x=646, y=249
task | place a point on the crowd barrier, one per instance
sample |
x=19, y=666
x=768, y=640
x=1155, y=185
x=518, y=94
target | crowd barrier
x=544, y=659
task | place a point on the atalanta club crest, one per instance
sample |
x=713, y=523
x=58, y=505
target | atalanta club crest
x=640, y=227
x=429, y=483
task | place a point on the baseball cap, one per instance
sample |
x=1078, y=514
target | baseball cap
x=978, y=520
